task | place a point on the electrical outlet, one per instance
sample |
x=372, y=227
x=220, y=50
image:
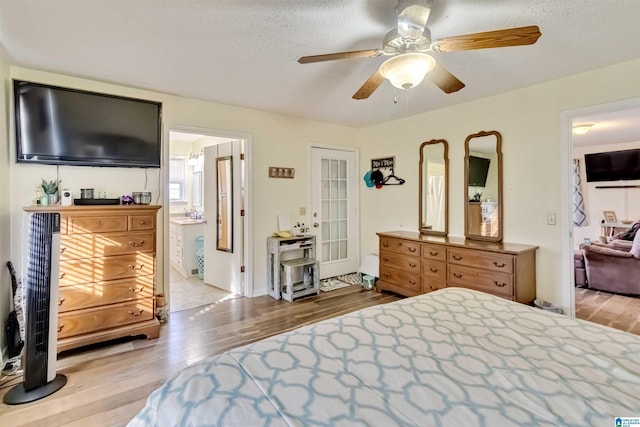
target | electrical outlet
x=303, y=211
x=551, y=219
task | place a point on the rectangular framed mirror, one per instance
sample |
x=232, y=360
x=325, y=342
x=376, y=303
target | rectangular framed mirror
x=196, y=189
x=224, y=194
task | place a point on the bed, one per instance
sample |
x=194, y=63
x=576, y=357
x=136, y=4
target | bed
x=451, y=357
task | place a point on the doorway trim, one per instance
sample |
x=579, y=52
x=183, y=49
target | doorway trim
x=247, y=285
x=566, y=120
x=356, y=153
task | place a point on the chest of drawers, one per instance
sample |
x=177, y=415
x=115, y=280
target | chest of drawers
x=412, y=264
x=107, y=274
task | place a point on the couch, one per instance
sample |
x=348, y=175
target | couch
x=614, y=267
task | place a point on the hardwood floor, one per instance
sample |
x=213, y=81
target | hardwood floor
x=108, y=384
x=617, y=311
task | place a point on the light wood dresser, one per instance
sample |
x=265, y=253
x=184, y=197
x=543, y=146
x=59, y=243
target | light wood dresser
x=413, y=263
x=107, y=273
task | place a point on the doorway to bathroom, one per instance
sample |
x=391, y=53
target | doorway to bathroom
x=207, y=200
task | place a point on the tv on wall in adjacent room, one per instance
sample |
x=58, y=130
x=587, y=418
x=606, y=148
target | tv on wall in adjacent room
x=61, y=126
x=621, y=165
x=478, y=170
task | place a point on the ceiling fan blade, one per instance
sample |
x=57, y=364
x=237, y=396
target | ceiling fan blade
x=444, y=79
x=500, y=38
x=341, y=55
x=369, y=86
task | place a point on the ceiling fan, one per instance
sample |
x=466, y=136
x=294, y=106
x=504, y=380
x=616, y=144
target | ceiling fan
x=409, y=45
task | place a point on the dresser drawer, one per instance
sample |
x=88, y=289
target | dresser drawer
x=434, y=269
x=96, y=319
x=401, y=262
x=77, y=297
x=434, y=252
x=142, y=222
x=102, y=269
x=430, y=284
x=481, y=259
x=106, y=244
x=483, y=280
x=401, y=246
x=400, y=278
x=97, y=224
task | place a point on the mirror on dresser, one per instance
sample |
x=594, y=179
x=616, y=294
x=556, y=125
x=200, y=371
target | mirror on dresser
x=483, y=186
x=433, y=183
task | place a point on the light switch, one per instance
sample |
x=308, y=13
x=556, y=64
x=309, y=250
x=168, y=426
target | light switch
x=551, y=219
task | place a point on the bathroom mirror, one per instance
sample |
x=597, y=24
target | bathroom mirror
x=224, y=191
x=433, y=188
x=483, y=186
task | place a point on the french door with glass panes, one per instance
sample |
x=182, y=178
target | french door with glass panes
x=334, y=210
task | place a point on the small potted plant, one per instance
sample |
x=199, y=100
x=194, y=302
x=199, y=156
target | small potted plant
x=50, y=189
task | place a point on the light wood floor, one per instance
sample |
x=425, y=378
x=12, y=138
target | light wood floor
x=108, y=385
x=617, y=311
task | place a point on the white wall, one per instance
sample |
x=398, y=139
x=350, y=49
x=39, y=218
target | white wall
x=530, y=123
x=625, y=202
x=277, y=140
x=5, y=224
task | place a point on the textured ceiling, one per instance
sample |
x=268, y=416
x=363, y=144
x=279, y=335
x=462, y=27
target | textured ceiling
x=244, y=52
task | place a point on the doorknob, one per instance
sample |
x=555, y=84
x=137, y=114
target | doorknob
x=316, y=225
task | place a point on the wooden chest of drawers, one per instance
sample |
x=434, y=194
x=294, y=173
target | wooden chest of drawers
x=107, y=273
x=411, y=264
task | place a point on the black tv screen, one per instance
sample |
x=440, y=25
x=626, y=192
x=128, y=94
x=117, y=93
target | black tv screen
x=613, y=166
x=478, y=170
x=60, y=126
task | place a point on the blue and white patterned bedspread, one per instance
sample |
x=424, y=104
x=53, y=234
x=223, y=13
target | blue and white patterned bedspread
x=453, y=357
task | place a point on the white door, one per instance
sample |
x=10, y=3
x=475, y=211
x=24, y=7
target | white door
x=334, y=210
x=223, y=268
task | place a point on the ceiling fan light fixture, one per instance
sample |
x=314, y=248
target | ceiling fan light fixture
x=582, y=128
x=407, y=70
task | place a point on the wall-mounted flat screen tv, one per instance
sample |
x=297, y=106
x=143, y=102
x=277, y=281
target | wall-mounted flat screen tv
x=61, y=126
x=478, y=170
x=621, y=165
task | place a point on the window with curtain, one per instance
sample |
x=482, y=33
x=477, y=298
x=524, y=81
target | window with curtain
x=177, y=166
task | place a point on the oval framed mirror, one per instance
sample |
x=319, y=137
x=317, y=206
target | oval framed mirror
x=483, y=186
x=433, y=188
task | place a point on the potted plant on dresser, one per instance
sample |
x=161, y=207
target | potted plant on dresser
x=50, y=189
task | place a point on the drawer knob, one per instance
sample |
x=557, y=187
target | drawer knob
x=136, y=244
x=385, y=259
x=433, y=269
x=385, y=274
x=412, y=249
x=136, y=290
x=457, y=275
x=136, y=314
x=499, y=284
x=385, y=244
x=411, y=281
x=60, y=301
x=499, y=265
x=412, y=265
x=457, y=257
x=433, y=253
x=60, y=326
x=142, y=222
x=136, y=266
